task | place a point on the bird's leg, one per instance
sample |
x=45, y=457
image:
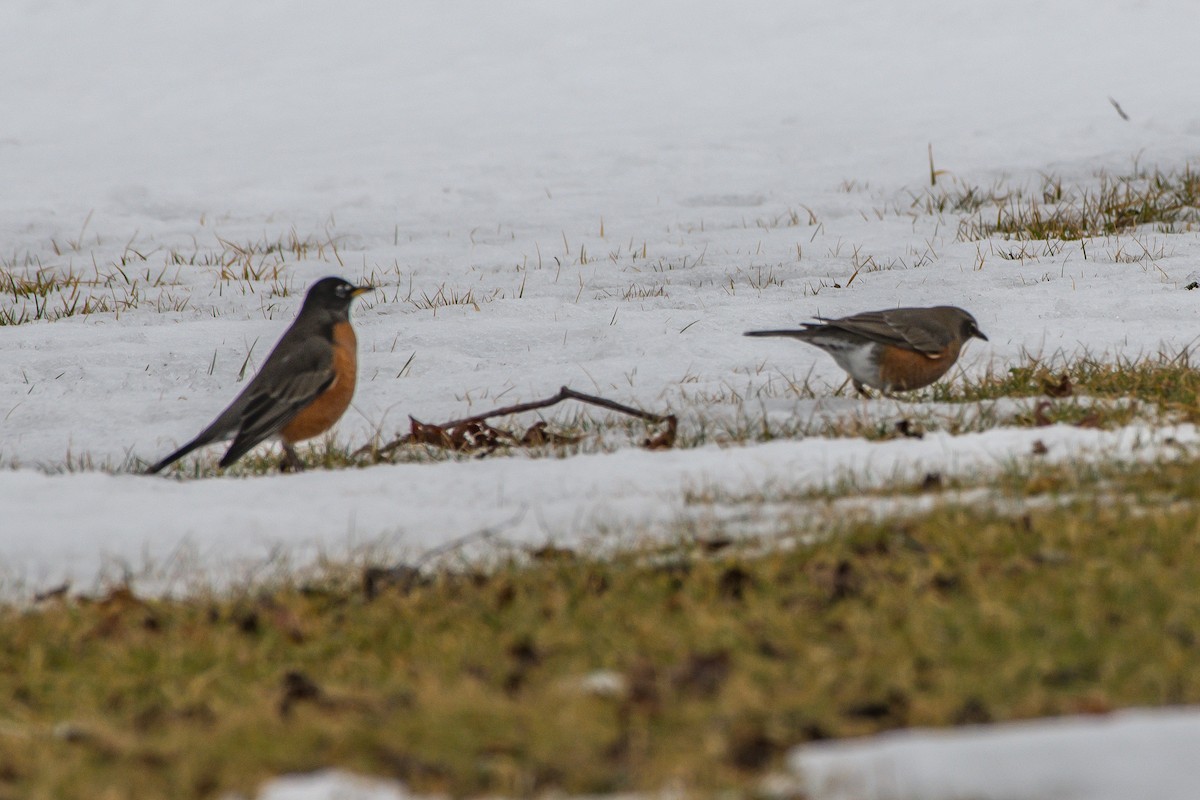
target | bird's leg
x=290, y=462
x=862, y=390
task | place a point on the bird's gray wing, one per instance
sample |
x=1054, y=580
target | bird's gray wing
x=897, y=326
x=291, y=378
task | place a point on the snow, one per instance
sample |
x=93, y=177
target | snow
x=614, y=185
x=1137, y=753
x=331, y=785
x=406, y=509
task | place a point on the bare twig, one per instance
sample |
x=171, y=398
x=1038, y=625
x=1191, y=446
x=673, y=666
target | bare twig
x=564, y=393
x=473, y=433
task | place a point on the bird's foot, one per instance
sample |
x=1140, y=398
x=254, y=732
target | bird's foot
x=290, y=461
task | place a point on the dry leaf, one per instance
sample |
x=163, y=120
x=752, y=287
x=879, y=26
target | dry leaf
x=664, y=440
x=1063, y=388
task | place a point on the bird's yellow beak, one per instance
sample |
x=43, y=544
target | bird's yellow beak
x=357, y=290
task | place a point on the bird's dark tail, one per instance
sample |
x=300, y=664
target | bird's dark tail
x=791, y=333
x=178, y=454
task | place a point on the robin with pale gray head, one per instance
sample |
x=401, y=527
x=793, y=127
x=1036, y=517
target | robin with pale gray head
x=896, y=350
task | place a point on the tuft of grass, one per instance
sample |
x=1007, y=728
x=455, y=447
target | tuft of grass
x=1164, y=381
x=1168, y=201
x=956, y=197
x=1163, y=200
x=265, y=259
x=125, y=277
x=49, y=295
x=326, y=453
x=788, y=218
x=32, y=292
x=444, y=297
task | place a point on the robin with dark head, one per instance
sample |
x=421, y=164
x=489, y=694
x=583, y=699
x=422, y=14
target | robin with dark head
x=304, y=386
x=896, y=350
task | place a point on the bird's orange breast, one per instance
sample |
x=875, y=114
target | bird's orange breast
x=901, y=370
x=321, y=414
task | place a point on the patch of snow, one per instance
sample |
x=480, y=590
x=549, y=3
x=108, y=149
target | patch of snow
x=331, y=785
x=184, y=532
x=1136, y=753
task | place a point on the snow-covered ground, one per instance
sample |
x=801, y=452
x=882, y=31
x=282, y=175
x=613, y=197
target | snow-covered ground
x=613, y=193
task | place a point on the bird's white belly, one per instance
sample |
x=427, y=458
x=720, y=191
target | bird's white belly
x=858, y=360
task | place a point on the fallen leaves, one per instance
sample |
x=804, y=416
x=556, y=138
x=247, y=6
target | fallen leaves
x=1060, y=388
x=477, y=436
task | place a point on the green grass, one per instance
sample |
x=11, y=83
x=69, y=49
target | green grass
x=145, y=274
x=47, y=295
x=695, y=664
x=1161, y=200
